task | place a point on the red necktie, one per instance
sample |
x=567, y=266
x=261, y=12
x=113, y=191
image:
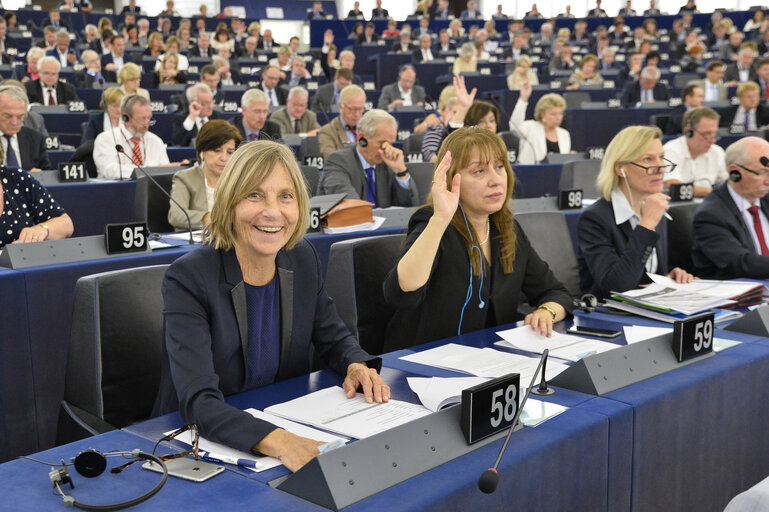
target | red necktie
x=51, y=99
x=766, y=89
x=759, y=230
x=137, y=152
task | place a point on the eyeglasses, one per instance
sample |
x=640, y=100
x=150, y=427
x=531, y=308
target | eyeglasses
x=194, y=451
x=656, y=169
x=712, y=137
x=762, y=174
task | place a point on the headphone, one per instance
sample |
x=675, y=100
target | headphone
x=469, y=296
x=127, y=105
x=689, y=132
x=586, y=303
x=622, y=170
x=92, y=463
x=363, y=142
x=735, y=175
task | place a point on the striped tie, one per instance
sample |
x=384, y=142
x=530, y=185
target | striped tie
x=137, y=152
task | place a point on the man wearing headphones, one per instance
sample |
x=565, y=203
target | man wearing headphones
x=140, y=147
x=372, y=169
x=403, y=92
x=731, y=225
x=699, y=160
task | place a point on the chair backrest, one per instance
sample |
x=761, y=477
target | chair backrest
x=113, y=366
x=574, y=99
x=681, y=80
x=356, y=270
x=309, y=152
x=422, y=174
x=311, y=176
x=660, y=121
x=512, y=141
x=413, y=145
x=151, y=205
x=680, y=236
x=84, y=153
x=581, y=174
x=549, y=236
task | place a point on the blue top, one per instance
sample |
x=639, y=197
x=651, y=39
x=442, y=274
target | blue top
x=26, y=203
x=263, y=353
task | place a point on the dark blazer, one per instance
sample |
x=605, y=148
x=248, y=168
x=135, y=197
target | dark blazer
x=260, y=45
x=194, y=51
x=631, y=94
x=432, y=312
x=96, y=46
x=64, y=92
x=398, y=48
x=206, y=337
x=416, y=55
x=612, y=257
x=379, y=13
x=32, y=149
x=94, y=127
x=437, y=49
x=343, y=172
x=723, y=247
x=62, y=24
x=324, y=98
x=270, y=130
x=84, y=80
x=675, y=122
x=727, y=115
x=391, y=93
x=107, y=59
x=10, y=42
x=732, y=73
x=54, y=52
x=182, y=137
x=362, y=38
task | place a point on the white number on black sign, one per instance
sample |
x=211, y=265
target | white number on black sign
x=703, y=335
x=507, y=410
x=133, y=236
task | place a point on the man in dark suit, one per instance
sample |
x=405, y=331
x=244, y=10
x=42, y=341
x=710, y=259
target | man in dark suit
x=317, y=12
x=652, y=10
x=90, y=75
x=54, y=20
x=444, y=44
x=644, y=90
x=253, y=123
x=403, y=44
x=117, y=56
x=25, y=147
x=270, y=80
x=6, y=42
x=424, y=53
x=731, y=225
x=203, y=47
x=517, y=49
x=744, y=69
x=403, y=92
x=327, y=95
x=597, y=12
x=67, y=55
x=48, y=89
x=369, y=35
x=266, y=43
x=749, y=114
x=691, y=97
x=131, y=7
x=422, y=30
x=378, y=12
x=298, y=75
x=372, y=169
x=442, y=11
x=200, y=110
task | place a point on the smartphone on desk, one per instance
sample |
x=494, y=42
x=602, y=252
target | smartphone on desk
x=188, y=469
x=593, y=331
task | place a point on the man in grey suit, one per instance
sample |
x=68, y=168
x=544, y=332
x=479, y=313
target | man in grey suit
x=403, y=92
x=713, y=83
x=343, y=129
x=372, y=169
x=294, y=118
x=328, y=95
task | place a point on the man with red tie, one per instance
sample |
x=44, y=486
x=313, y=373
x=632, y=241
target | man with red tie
x=48, y=89
x=731, y=225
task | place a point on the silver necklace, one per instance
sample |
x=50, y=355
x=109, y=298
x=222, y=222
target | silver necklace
x=488, y=231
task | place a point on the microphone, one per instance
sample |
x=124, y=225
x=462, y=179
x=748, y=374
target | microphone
x=120, y=149
x=323, y=110
x=489, y=480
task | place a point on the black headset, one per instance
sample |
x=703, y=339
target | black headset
x=735, y=175
x=689, y=131
x=92, y=463
x=363, y=142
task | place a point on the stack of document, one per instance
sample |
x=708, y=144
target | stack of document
x=562, y=346
x=483, y=362
x=438, y=392
x=669, y=301
x=637, y=333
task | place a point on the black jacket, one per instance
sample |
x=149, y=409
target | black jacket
x=270, y=130
x=182, y=137
x=64, y=92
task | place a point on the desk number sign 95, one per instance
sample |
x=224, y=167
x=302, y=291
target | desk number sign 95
x=490, y=407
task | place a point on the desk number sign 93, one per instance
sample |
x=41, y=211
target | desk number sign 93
x=490, y=407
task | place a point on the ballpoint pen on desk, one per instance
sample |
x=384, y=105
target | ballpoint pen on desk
x=224, y=459
x=667, y=215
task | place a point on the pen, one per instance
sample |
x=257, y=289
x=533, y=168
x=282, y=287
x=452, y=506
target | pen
x=586, y=354
x=667, y=215
x=336, y=443
x=224, y=459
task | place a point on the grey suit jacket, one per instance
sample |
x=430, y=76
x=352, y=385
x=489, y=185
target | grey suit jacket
x=722, y=89
x=343, y=172
x=332, y=137
x=308, y=121
x=323, y=99
x=391, y=93
x=189, y=190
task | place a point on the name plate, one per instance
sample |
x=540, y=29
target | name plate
x=674, y=102
x=230, y=106
x=413, y=157
x=595, y=153
x=314, y=161
x=675, y=68
x=125, y=238
x=693, y=337
x=314, y=226
x=312, y=86
x=261, y=58
x=192, y=69
x=737, y=129
x=403, y=134
x=72, y=171
x=613, y=103
x=157, y=106
x=570, y=199
x=369, y=86
x=485, y=71
x=556, y=84
x=52, y=142
x=75, y=106
x=512, y=155
x=682, y=191
x=490, y=407
x=608, y=84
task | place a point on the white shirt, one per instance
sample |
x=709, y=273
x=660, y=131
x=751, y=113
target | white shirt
x=624, y=213
x=112, y=165
x=427, y=55
x=743, y=205
x=739, y=118
x=210, y=194
x=406, y=96
x=62, y=58
x=711, y=91
x=707, y=170
x=117, y=61
x=189, y=124
x=272, y=96
x=14, y=145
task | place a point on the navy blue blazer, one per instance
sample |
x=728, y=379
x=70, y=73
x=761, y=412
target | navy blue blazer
x=612, y=257
x=631, y=94
x=723, y=247
x=206, y=337
x=32, y=149
x=107, y=59
x=94, y=127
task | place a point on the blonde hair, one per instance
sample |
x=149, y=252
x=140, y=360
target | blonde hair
x=626, y=146
x=489, y=146
x=546, y=102
x=447, y=93
x=742, y=88
x=128, y=71
x=249, y=167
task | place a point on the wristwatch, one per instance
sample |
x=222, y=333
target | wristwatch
x=402, y=173
x=47, y=230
